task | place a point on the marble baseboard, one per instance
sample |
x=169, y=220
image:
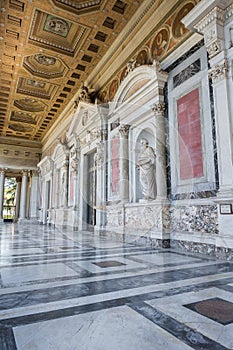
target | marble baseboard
x=203, y=248
x=145, y=240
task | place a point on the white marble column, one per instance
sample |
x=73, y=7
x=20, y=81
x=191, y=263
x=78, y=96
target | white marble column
x=34, y=197
x=65, y=183
x=17, y=197
x=161, y=179
x=124, y=163
x=23, y=196
x=2, y=183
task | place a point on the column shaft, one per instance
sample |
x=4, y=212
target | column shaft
x=23, y=196
x=124, y=163
x=161, y=179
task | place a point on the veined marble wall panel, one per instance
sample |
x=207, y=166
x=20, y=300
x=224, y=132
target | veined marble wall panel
x=194, y=218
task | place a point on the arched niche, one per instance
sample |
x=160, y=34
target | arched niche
x=147, y=133
x=139, y=87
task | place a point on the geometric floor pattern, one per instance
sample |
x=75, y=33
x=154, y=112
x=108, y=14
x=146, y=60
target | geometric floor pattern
x=65, y=290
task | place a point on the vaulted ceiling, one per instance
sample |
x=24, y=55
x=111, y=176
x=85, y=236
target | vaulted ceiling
x=47, y=49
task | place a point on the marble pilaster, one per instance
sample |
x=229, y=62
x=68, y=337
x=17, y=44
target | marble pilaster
x=64, y=201
x=100, y=186
x=124, y=163
x=2, y=183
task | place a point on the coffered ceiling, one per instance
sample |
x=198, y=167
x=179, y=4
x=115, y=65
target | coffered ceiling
x=47, y=49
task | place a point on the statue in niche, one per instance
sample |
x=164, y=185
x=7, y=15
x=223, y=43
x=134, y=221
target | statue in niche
x=146, y=165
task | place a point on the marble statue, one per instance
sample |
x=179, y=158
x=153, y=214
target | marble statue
x=146, y=165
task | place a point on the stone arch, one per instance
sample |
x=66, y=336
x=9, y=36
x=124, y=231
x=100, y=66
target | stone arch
x=140, y=78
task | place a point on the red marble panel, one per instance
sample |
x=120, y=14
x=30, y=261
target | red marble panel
x=190, y=142
x=115, y=164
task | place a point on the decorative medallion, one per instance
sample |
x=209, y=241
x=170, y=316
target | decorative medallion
x=178, y=28
x=142, y=58
x=45, y=60
x=160, y=43
x=57, y=25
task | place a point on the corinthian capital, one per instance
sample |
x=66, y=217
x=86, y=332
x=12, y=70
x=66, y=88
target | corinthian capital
x=124, y=130
x=219, y=72
x=3, y=171
x=159, y=108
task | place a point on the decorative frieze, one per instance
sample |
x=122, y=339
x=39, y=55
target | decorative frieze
x=219, y=72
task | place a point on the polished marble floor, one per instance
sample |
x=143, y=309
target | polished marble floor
x=65, y=290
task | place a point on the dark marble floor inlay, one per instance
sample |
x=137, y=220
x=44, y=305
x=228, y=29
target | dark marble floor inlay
x=216, y=309
x=109, y=263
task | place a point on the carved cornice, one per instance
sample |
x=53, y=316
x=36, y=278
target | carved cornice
x=219, y=72
x=215, y=15
x=212, y=28
x=159, y=109
x=124, y=130
x=229, y=13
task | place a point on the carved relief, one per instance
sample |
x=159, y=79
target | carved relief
x=131, y=65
